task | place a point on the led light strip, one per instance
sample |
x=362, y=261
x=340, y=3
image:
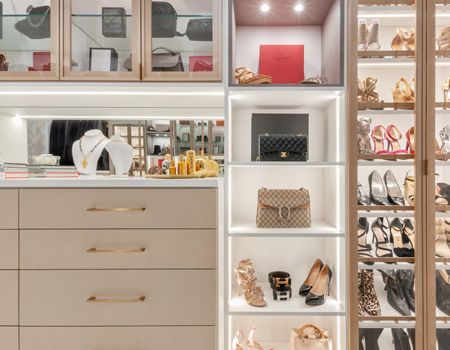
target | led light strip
x=116, y=117
x=113, y=93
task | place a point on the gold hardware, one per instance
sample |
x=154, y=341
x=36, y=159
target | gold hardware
x=94, y=299
x=281, y=282
x=283, y=154
x=135, y=250
x=114, y=209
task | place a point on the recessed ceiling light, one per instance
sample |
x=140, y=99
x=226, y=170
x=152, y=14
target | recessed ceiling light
x=264, y=8
x=299, y=8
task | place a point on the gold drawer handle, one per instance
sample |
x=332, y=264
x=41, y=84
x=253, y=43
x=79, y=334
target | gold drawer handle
x=114, y=209
x=135, y=250
x=94, y=299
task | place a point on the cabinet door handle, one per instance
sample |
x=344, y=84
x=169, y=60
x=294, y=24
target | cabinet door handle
x=133, y=250
x=115, y=209
x=94, y=299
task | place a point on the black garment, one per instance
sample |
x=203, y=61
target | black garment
x=442, y=292
x=412, y=336
x=401, y=339
x=370, y=337
x=443, y=338
x=406, y=278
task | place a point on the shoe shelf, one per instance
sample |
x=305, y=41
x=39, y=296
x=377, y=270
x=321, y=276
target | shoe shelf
x=387, y=2
x=317, y=229
x=386, y=55
x=384, y=208
x=386, y=105
x=390, y=157
x=385, y=163
x=400, y=323
x=295, y=306
x=390, y=260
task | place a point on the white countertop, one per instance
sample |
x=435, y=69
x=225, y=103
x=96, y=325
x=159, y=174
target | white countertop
x=109, y=181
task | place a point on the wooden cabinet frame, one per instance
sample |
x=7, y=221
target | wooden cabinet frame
x=68, y=74
x=147, y=74
x=54, y=53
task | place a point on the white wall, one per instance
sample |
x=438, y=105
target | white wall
x=249, y=40
x=13, y=139
x=331, y=44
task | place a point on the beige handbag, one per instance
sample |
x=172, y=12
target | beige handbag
x=309, y=337
x=283, y=209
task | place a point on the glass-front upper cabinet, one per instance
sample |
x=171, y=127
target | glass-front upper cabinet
x=29, y=38
x=101, y=40
x=182, y=40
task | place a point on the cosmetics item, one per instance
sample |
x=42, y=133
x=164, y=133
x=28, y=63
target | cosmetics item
x=182, y=169
x=173, y=168
x=166, y=164
x=190, y=162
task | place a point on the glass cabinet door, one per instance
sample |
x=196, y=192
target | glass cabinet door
x=101, y=40
x=385, y=139
x=29, y=38
x=182, y=40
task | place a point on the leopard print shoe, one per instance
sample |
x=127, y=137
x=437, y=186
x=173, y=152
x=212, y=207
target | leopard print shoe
x=360, y=295
x=371, y=303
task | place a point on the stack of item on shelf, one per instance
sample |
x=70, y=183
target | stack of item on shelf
x=306, y=337
x=315, y=288
x=25, y=171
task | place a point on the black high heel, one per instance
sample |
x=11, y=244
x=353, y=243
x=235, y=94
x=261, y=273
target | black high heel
x=309, y=282
x=317, y=294
x=395, y=296
x=378, y=191
x=398, y=237
x=394, y=193
x=400, y=339
x=380, y=237
x=364, y=249
x=363, y=199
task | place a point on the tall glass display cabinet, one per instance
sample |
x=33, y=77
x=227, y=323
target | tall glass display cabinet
x=387, y=228
x=29, y=40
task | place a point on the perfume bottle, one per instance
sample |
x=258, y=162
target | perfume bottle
x=172, y=169
x=182, y=169
x=190, y=162
x=166, y=164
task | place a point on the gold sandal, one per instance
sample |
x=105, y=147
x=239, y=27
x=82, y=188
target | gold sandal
x=404, y=40
x=366, y=91
x=245, y=274
x=245, y=76
x=404, y=94
x=443, y=40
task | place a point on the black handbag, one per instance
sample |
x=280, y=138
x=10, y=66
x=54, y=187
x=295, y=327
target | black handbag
x=37, y=23
x=164, y=20
x=200, y=29
x=283, y=148
x=168, y=61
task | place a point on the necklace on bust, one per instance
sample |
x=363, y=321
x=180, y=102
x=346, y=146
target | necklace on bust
x=84, y=163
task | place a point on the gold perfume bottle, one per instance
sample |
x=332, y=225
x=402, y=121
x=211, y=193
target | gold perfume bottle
x=190, y=162
x=172, y=169
x=182, y=169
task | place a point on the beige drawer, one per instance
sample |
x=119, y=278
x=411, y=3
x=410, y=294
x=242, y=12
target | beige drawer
x=9, y=338
x=9, y=209
x=117, y=208
x=9, y=249
x=49, y=298
x=117, y=249
x=9, y=292
x=117, y=338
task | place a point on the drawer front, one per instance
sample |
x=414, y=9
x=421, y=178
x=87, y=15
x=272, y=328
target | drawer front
x=9, y=209
x=9, y=249
x=117, y=338
x=60, y=298
x=9, y=338
x=117, y=208
x=9, y=292
x=117, y=249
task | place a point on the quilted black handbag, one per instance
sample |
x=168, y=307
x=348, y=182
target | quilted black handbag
x=200, y=29
x=283, y=148
x=164, y=20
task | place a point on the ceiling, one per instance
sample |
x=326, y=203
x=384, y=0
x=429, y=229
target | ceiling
x=281, y=13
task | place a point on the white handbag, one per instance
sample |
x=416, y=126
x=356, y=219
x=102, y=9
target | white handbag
x=309, y=337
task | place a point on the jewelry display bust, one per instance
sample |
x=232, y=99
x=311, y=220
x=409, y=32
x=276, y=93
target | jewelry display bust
x=87, y=151
x=121, y=154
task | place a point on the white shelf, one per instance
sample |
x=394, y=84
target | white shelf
x=386, y=214
x=388, y=163
x=400, y=62
x=387, y=266
x=385, y=112
x=318, y=229
x=308, y=164
x=295, y=306
x=387, y=324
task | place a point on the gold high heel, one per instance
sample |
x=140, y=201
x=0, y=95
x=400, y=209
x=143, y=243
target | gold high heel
x=245, y=76
x=404, y=40
x=442, y=248
x=403, y=94
x=245, y=275
x=443, y=40
x=238, y=341
x=252, y=343
x=445, y=89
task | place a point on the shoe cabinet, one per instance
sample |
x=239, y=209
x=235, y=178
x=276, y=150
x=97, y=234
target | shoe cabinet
x=388, y=269
x=285, y=249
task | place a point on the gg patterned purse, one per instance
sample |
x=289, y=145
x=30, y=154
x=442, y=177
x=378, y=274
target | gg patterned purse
x=283, y=209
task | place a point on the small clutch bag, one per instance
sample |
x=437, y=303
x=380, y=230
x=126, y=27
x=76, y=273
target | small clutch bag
x=283, y=148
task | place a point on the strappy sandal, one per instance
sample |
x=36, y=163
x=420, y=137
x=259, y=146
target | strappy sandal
x=316, y=80
x=443, y=40
x=366, y=91
x=380, y=238
x=405, y=94
x=404, y=40
x=245, y=76
x=364, y=249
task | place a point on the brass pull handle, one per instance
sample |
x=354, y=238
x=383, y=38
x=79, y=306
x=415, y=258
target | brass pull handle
x=114, y=209
x=135, y=250
x=94, y=299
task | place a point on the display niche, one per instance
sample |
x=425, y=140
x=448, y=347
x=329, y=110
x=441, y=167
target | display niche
x=287, y=42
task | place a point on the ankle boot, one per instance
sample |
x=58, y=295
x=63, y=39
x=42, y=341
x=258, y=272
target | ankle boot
x=371, y=336
x=443, y=291
x=400, y=339
x=406, y=278
x=371, y=303
x=443, y=338
x=395, y=295
x=360, y=296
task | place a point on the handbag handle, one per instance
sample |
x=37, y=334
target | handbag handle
x=317, y=331
x=167, y=50
x=41, y=21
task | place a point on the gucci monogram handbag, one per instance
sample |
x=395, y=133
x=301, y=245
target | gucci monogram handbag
x=309, y=337
x=283, y=209
x=283, y=147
